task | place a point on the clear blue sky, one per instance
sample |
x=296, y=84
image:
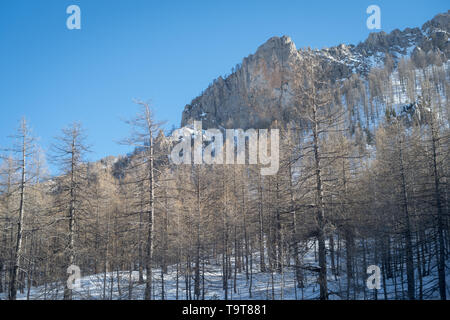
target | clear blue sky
x=164, y=51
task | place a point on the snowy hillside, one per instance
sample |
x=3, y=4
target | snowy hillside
x=124, y=285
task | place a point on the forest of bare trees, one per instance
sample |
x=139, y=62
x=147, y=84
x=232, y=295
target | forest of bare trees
x=363, y=180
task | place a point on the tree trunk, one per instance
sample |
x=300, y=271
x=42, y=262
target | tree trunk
x=18, y=250
x=320, y=210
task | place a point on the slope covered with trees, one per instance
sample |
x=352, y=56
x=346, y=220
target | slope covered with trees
x=363, y=180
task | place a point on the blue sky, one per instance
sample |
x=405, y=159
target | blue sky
x=163, y=51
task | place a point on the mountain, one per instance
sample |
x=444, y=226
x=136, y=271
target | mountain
x=260, y=88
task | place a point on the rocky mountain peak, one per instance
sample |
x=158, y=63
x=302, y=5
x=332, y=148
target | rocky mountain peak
x=260, y=88
x=280, y=46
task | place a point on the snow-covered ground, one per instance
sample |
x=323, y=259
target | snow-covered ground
x=125, y=285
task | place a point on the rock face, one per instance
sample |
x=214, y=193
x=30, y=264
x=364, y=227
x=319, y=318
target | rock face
x=262, y=80
x=260, y=88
